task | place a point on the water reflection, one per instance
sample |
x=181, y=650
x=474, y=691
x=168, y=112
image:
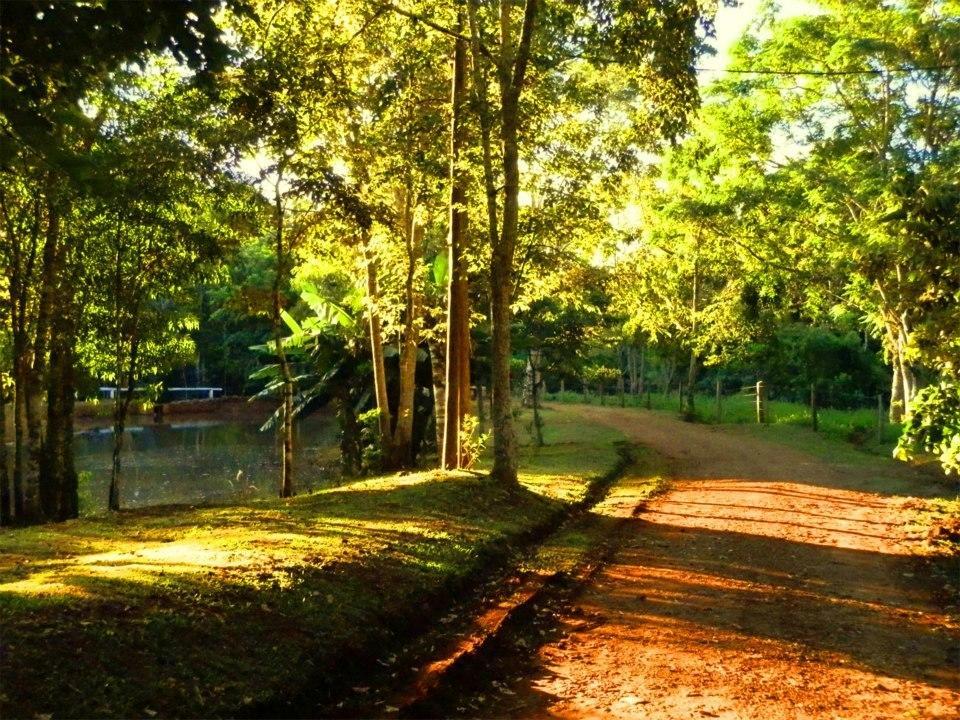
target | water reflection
x=197, y=460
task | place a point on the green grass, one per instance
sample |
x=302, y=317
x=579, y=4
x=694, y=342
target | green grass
x=581, y=538
x=201, y=611
x=858, y=427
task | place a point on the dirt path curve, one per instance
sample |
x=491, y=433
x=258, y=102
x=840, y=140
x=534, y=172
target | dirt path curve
x=765, y=584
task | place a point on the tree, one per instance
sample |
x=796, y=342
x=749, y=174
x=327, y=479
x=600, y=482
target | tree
x=52, y=56
x=873, y=118
x=660, y=42
x=353, y=97
x=457, y=385
x=148, y=236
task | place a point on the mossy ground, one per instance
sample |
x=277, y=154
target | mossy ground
x=200, y=611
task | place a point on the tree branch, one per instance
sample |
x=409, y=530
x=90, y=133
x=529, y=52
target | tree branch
x=432, y=24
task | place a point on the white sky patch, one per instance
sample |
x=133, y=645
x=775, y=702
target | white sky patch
x=732, y=22
x=629, y=219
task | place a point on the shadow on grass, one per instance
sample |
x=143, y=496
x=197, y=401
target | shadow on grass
x=199, y=612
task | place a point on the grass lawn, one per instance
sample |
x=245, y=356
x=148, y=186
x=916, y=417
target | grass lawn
x=201, y=611
x=858, y=427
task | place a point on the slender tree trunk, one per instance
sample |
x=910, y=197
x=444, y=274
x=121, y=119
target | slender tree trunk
x=485, y=117
x=45, y=462
x=27, y=454
x=281, y=271
x=533, y=360
x=439, y=373
x=35, y=489
x=896, y=390
x=60, y=471
x=403, y=433
x=19, y=430
x=121, y=409
x=6, y=508
x=669, y=371
x=456, y=400
x=687, y=403
x=622, y=356
x=376, y=349
x=511, y=70
x=465, y=405
x=909, y=386
x=351, y=457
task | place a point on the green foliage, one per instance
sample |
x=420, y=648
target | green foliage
x=934, y=426
x=53, y=54
x=370, y=440
x=472, y=440
x=601, y=375
x=796, y=356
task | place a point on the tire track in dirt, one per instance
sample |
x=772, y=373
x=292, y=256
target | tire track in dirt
x=765, y=584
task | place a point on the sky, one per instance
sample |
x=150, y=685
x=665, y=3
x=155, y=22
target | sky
x=731, y=23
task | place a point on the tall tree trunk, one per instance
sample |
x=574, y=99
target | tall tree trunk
x=465, y=406
x=533, y=361
x=439, y=373
x=46, y=463
x=6, y=507
x=19, y=428
x=669, y=371
x=60, y=471
x=351, y=455
x=896, y=390
x=688, y=388
x=280, y=276
x=26, y=469
x=458, y=323
x=376, y=348
x=511, y=72
x=687, y=404
x=403, y=433
x=121, y=409
x=909, y=385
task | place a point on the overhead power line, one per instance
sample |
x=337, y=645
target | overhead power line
x=888, y=71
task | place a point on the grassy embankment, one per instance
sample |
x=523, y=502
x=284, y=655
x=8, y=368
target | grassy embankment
x=202, y=611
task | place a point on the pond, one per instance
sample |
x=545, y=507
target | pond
x=197, y=460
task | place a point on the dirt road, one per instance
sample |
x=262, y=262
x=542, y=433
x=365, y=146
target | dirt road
x=765, y=584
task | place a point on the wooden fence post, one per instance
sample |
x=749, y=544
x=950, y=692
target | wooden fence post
x=761, y=401
x=814, y=420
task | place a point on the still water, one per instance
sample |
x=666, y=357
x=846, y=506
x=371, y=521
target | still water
x=193, y=461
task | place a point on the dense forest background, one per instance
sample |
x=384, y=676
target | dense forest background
x=405, y=211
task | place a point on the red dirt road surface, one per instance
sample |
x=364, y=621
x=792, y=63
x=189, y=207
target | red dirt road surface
x=766, y=583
